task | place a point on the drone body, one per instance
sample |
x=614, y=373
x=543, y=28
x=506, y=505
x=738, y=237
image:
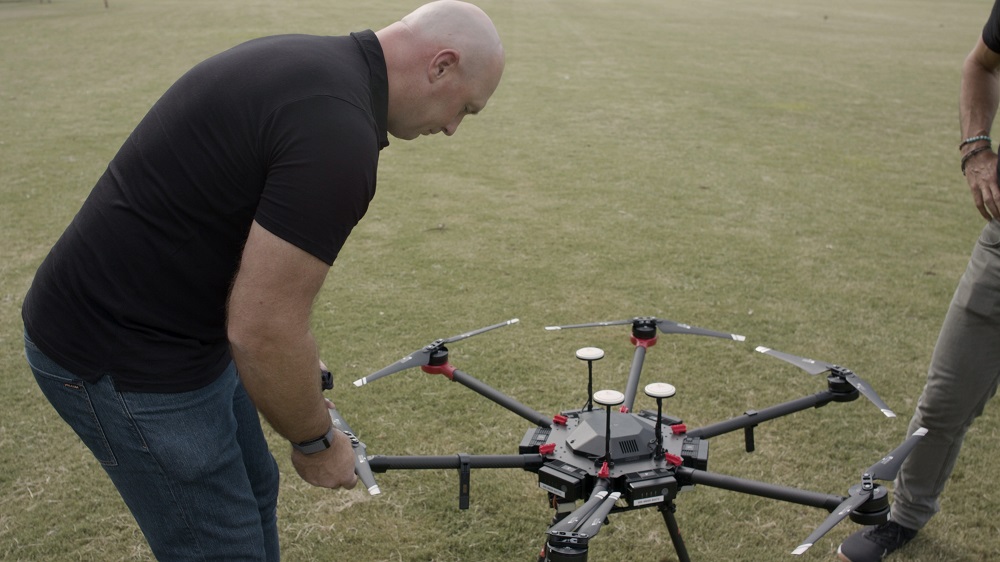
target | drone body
x=618, y=460
x=577, y=449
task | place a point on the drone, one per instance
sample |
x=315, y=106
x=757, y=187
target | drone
x=613, y=459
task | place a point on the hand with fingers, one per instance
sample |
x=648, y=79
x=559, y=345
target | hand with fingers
x=980, y=168
x=332, y=467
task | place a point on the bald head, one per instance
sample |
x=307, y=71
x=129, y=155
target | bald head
x=444, y=61
x=450, y=23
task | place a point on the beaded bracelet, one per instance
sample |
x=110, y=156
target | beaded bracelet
x=978, y=138
x=970, y=154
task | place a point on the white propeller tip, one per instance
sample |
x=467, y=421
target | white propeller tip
x=888, y=413
x=738, y=337
x=762, y=349
x=802, y=548
x=552, y=328
x=373, y=490
x=922, y=431
x=361, y=381
x=514, y=321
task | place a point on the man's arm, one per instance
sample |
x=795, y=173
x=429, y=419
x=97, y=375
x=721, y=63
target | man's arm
x=977, y=107
x=274, y=350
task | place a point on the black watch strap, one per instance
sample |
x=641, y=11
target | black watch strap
x=321, y=443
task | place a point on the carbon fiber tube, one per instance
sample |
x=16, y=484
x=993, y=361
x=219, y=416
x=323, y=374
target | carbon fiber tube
x=381, y=463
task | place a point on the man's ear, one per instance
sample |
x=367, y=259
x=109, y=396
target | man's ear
x=442, y=63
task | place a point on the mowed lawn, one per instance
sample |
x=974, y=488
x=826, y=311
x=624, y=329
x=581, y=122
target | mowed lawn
x=782, y=169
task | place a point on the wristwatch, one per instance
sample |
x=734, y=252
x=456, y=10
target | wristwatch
x=321, y=443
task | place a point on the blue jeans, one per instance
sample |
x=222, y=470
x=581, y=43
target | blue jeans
x=193, y=467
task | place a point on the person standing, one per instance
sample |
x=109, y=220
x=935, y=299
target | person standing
x=965, y=365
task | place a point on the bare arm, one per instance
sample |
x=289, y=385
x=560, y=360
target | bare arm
x=274, y=350
x=977, y=107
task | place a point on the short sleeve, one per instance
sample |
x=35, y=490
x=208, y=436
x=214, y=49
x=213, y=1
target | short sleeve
x=991, y=31
x=322, y=158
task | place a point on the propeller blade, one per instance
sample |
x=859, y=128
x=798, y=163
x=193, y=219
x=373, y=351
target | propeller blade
x=869, y=392
x=423, y=356
x=596, y=520
x=665, y=326
x=811, y=366
x=582, y=513
x=888, y=467
x=671, y=327
x=361, y=466
x=814, y=367
x=479, y=331
x=415, y=359
x=838, y=515
x=590, y=325
x=884, y=469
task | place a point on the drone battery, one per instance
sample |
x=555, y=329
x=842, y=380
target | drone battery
x=532, y=440
x=563, y=480
x=650, y=487
x=695, y=453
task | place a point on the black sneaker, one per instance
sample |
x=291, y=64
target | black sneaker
x=872, y=544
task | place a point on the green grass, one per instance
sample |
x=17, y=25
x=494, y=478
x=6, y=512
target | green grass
x=785, y=169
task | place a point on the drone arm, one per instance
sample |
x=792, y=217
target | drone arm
x=380, y=463
x=633, y=377
x=761, y=489
x=484, y=389
x=753, y=418
x=464, y=463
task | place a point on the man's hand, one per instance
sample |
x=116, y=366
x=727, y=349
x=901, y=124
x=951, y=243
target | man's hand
x=332, y=468
x=981, y=174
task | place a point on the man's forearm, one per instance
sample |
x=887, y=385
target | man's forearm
x=268, y=327
x=281, y=375
x=980, y=92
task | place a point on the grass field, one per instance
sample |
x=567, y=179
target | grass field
x=784, y=169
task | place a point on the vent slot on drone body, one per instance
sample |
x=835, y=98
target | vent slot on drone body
x=629, y=446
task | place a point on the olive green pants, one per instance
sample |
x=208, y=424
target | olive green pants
x=961, y=379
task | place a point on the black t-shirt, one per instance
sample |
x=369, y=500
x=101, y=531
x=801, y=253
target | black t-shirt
x=283, y=130
x=991, y=31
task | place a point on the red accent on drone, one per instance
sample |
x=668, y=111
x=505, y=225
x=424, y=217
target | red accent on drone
x=647, y=343
x=546, y=449
x=673, y=459
x=447, y=370
x=623, y=409
x=679, y=428
x=559, y=419
x=604, y=472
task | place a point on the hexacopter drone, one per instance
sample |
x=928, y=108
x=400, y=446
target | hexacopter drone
x=618, y=460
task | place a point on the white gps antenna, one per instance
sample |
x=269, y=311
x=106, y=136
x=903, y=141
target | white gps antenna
x=608, y=398
x=659, y=391
x=590, y=354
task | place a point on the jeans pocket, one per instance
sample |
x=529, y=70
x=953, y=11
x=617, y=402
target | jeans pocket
x=71, y=399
